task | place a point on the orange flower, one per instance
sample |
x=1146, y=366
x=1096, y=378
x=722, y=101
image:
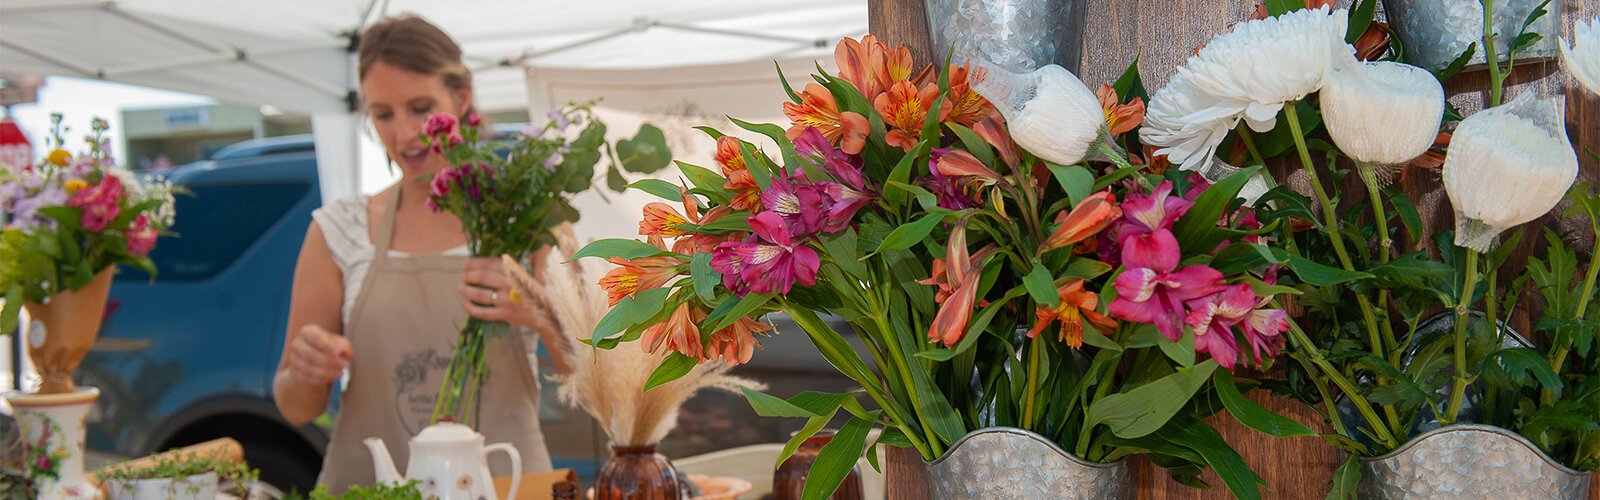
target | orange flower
x=961, y=275
x=817, y=109
x=680, y=332
x=735, y=344
x=1374, y=42
x=895, y=66
x=967, y=106
x=746, y=193
x=640, y=274
x=905, y=107
x=992, y=129
x=660, y=219
x=729, y=154
x=860, y=64
x=1091, y=216
x=1076, y=305
x=1120, y=118
x=1431, y=160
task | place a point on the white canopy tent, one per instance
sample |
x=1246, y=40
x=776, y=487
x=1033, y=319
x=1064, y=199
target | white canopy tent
x=297, y=54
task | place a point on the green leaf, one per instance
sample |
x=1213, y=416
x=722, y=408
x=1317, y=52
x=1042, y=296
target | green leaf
x=674, y=367
x=705, y=179
x=924, y=197
x=813, y=425
x=1226, y=462
x=837, y=459
x=973, y=143
x=1041, y=286
x=11, y=309
x=804, y=405
x=778, y=136
x=1345, y=480
x=615, y=180
x=714, y=133
x=617, y=247
x=793, y=97
x=759, y=166
x=1197, y=229
x=1316, y=274
x=1076, y=180
x=1130, y=85
x=901, y=174
x=1182, y=351
x=660, y=188
x=1148, y=407
x=723, y=318
x=841, y=247
x=1457, y=65
x=909, y=235
x=1408, y=215
x=705, y=278
x=1277, y=8
x=631, y=311
x=1360, y=18
x=646, y=152
x=1253, y=415
x=1521, y=362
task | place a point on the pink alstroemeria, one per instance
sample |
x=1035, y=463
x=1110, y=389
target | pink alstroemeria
x=952, y=192
x=1145, y=233
x=797, y=201
x=1157, y=297
x=842, y=204
x=141, y=237
x=439, y=124
x=773, y=262
x=1213, y=317
x=100, y=203
x=813, y=147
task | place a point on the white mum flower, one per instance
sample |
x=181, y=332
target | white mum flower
x=1246, y=74
x=1383, y=113
x=1582, y=53
x=1508, y=165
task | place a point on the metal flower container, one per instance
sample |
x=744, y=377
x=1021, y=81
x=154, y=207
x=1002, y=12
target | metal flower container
x=1005, y=462
x=1436, y=32
x=1018, y=35
x=1469, y=461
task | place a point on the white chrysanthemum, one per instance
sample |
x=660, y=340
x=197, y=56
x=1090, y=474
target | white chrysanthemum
x=1582, y=53
x=1049, y=112
x=1246, y=74
x=1506, y=166
x=1383, y=113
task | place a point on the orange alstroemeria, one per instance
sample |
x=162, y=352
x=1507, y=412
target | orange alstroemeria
x=904, y=108
x=817, y=109
x=860, y=62
x=660, y=219
x=746, y=193
x=1091, y=216
x=1373, y=43
x=680, y=332
x=968, y=107
x=1076, y=306
x=730, y=154
x=1431, y=160
x=1120, y=118
x=961, y=164
x=992, y=129
x=643, y=273
x=963, y=274
x=735, y=344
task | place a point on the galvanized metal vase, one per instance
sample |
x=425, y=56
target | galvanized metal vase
x=1469, y=461
x=1005, y=462
x=1436, y=32
x=1018, y=35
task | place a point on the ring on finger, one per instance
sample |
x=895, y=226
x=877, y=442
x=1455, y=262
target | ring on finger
x=494, y=298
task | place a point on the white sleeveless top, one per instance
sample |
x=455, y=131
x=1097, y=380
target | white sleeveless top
x=344, y=227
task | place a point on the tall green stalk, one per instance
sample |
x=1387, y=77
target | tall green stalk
x=1463, y=307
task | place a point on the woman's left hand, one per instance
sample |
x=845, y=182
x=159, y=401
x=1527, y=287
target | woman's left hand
x=486, y=293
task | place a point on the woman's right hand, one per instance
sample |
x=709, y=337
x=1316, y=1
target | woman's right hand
x=318, y=356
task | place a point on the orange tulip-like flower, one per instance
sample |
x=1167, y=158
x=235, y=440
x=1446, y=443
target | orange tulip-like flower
x=638, y=274
x=967, y=107
x=992, y=129
x=1120, y=118
x=660, y=219
x=1091, y=216
x=735, y=344
x=680, y=332
x=1374, y=42
x=817, y=109
x=1076, y=306
x=730, y=155
x=904, y=108
x=962, y=274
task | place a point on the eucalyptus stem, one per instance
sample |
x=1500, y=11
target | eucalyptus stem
x=1459, y=392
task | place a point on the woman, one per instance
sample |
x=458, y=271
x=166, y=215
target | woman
x=385, y=300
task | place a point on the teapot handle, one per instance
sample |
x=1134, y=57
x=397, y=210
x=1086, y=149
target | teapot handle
x=516, y=465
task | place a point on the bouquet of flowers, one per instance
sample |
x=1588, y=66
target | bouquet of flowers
x=986, y=236
x=67, y=221
x=1401, y=344
x=508, y=195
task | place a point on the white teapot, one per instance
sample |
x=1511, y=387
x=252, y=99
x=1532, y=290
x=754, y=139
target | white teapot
x=451, y=462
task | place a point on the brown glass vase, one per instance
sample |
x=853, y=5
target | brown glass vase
x=71, y=322
x=636, y=473
x=789, y=481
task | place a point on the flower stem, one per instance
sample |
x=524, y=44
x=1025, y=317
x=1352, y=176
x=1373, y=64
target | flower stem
x=1497, y=78
x=1033, y=382
x=1459, y=392
x=1369, y=177
x=1303, y=342
x=1559, y=357
x=1249, y=139
x=898, y=356
x=812, y=325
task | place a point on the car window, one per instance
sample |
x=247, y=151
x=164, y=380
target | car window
x=217, y=224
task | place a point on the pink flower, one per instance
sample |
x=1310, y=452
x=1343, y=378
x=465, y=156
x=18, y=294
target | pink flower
x=812, y=146
x=725, y=259
x=842, y=204
x=474, y=119
x=439, y=124
x=1151, y=296
x=100, y=203
x=443, y=181
x=774, y=262
x=799, y=203
x=953, y=193
x=1145, y=233
x=141, y=237
x=1213, y=317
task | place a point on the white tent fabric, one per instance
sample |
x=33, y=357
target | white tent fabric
x=295, y=54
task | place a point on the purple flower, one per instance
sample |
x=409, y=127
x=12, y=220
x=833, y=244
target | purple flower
x=725, y=259
x=560, y=119
x=799, y=203
x=1213, y=317
x=772, y=262
x=812, y=146
x=952, y=192
x=842, y=205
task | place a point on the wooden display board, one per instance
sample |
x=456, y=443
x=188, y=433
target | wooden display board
x=1162, y=34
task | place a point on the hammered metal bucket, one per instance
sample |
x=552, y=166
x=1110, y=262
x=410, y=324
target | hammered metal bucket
x=1004, y=462
x=1436, y=32
x=1469, y=462
x=1018, y=35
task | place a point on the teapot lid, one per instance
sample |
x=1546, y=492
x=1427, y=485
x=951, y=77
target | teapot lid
x=446, y=432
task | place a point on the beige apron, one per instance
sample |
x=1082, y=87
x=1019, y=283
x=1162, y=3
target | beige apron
x=402, y=327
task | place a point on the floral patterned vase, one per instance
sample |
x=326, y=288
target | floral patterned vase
x=52, y=432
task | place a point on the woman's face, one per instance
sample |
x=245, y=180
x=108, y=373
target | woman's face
x=398, y=102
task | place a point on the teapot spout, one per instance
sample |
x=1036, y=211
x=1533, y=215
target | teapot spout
x=382, y=465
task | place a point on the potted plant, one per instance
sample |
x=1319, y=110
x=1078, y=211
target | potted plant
x=1036, y=308
x=635, y=407
x=183, y=475
x=1402, y=346
x=65, y=226
x=410, y=490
